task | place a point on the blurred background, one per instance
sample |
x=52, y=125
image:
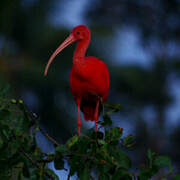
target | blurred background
x=138, y=40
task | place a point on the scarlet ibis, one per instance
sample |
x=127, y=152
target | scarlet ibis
x=89, y=77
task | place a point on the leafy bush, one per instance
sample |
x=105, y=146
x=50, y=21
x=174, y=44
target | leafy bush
x=99, y=154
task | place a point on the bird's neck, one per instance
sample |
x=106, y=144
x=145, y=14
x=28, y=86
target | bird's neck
x=80, y=51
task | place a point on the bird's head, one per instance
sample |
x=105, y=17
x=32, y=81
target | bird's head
x=78, y=33
x=81, y=32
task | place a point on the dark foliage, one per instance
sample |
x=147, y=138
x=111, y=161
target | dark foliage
x=101, y=154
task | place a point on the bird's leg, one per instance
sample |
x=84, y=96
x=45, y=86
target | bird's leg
x=102, y=105
x=79, y=116
x=96, y=114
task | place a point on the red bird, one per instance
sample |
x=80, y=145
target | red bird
x=89, y=77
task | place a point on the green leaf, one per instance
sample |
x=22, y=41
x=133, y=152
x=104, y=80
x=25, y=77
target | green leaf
x=113, y=135
x=34, y=175
x=5, y=133
x=128, y=141
x=162, y=161
x=176, y=177
x=101, y=141
x=20, y=101
x=71, y=142
x=150, y=155
x=50, y=158
x=5, y=115
x=123, y=159
x=74, y=165
x=19, y=176
x=61, y=149
x=26, y=172
x=122, y=174
x=145, y=173
x=116, y=132
x=4, y=90
x=114, y=107
x=100, y=135
x=1, y=143
x=59, y=162
x=104, y=176
x=80, y=145
x=84, y=174
x=13, y=101
x=106, y=120
x=51, y=173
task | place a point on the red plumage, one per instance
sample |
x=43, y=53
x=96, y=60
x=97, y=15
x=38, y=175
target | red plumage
x=89, y=77
x=89, y=82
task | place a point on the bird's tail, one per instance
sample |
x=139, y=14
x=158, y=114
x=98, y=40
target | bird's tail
x=88, y=110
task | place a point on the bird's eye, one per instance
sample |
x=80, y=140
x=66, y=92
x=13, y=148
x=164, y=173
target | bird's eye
x=77, y=32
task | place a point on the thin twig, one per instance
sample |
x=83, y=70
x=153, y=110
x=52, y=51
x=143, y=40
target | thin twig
x=29, y=158
x=33, y=117
x=34, y=163
x=50, y=138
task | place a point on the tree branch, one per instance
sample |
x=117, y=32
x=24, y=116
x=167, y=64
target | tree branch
x=48, y=137
x=34, y=163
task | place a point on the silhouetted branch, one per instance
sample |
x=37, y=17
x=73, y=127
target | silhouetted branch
x=50, y=138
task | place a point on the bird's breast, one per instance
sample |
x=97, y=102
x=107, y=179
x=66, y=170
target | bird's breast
x=89, y=80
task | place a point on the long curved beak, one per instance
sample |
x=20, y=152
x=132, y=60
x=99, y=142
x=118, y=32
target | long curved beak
x=70, y=39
